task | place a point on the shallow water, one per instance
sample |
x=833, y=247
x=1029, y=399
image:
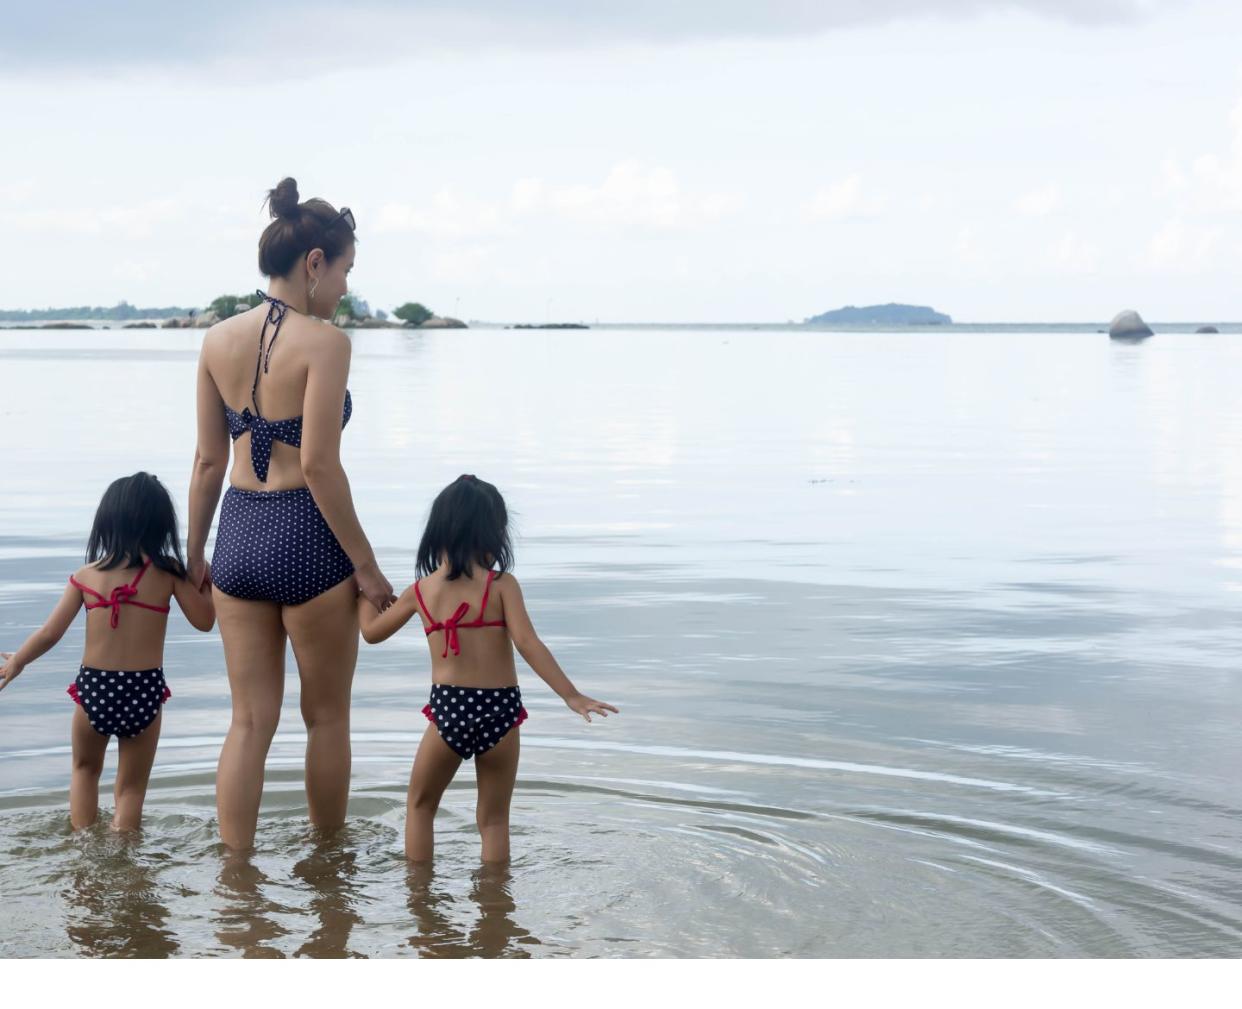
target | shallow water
x=925, y=644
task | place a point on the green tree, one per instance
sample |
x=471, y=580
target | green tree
x=413, y=313
x=226, y=304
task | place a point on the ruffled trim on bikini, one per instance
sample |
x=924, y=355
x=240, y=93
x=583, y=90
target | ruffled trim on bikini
x=167, y=694
x=522, y=716
x=427, y=711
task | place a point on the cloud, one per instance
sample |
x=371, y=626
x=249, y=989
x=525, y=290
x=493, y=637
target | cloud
x=1181, y=246
x=1039, y=202
x=631, y=195
x=444, y=215
x=843, y=199
x=310, y=36
x=141, y=220
x=1074, y=254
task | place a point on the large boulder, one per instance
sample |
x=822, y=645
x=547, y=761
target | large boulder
x=1128, y=325
x=206, y=319
x=175, y=323
x=436, y=322
x=1207, y=329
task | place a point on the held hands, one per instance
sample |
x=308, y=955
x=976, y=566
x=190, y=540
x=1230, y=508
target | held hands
x=199, y=574
x=584, y=706
x=373, y=585
x=10, y=670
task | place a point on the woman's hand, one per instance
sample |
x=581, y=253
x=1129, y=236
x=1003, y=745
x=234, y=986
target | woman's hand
x=584, y=706
x=199, y=573
x=10, y=670
x=373, y=585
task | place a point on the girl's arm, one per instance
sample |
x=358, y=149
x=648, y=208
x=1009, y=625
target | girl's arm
x=376, y=626
x=195, y=602
x=537, y=656
x=211, y=461
x=44, y=638
x=322, y=469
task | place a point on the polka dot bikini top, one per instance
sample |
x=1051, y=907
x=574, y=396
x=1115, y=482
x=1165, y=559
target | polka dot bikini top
x=120, y=596
x=263, y=431
x=453, y=623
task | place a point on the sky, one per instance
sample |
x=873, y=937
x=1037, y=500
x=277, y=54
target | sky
x=648, y=161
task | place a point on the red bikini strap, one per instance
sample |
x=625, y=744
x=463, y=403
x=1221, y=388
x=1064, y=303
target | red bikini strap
x=486, y=589
x=85, y=588
x=419, y=595
x=138, y=576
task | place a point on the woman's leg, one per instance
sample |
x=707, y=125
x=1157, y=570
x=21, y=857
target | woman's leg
x=133, y=771
x=88, y=758
x=324, y=632
x=254, y=652
x=434, y=766
x=497, y=772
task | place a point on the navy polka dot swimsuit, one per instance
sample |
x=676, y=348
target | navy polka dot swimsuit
x=470, y=719
x=474, y=719
x=119, y=702
x=274, y=545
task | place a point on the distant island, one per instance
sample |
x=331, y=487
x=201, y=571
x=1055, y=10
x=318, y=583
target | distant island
x=120, y=312
x=882, y=315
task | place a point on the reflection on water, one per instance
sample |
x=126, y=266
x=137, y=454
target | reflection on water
x=493, y=931
x=245, y=919
x=116, y=904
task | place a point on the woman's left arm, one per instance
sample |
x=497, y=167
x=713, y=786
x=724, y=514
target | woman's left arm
x=211, y=460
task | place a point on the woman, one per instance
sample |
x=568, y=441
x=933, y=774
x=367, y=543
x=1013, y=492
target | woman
x=290, y=555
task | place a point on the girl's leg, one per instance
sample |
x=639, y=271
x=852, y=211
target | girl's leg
x=88, y=758
x=133, y=771
x=434, y=766
x=497, y=772
x=254, y=652
x=324, y=632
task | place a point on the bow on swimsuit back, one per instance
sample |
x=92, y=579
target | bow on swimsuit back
x=122, y=595
x=451, y=626
x=263, y=431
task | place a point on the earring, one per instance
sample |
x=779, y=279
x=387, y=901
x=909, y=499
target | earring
x=314, y=288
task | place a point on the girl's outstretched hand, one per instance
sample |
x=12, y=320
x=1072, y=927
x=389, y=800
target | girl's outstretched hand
x=584, y=706
x=9, y=671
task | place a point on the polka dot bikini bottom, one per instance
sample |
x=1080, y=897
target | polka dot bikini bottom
x=474, y=719
x=275, y=546
x=120, y=702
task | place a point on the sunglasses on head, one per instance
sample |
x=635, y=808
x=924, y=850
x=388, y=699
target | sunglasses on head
x=347, y=216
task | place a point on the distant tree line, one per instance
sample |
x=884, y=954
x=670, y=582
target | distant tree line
x=119, y=312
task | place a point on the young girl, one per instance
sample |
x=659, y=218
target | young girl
x=133, y=568
x=475, y=707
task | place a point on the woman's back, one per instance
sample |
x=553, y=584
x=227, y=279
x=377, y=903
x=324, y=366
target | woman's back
x=278, y=379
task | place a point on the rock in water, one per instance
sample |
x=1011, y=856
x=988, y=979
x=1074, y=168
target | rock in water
x=1207, y=329
x=1128, y=325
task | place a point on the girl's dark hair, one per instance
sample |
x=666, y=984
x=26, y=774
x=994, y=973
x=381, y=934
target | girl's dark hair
x=297, y=228
x=469, y=524
x=135, y=517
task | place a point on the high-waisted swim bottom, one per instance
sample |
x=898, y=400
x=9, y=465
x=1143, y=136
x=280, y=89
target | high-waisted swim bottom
x=275, y=546
x=474, y=719
x=120, y=702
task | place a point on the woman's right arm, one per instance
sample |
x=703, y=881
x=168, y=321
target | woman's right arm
x=211, y=461
x=326, y=379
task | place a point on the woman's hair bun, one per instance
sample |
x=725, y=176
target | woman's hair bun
x=283, y=200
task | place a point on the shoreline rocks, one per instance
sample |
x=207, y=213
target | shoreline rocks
x=1207, y=329
x=1128, y=325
